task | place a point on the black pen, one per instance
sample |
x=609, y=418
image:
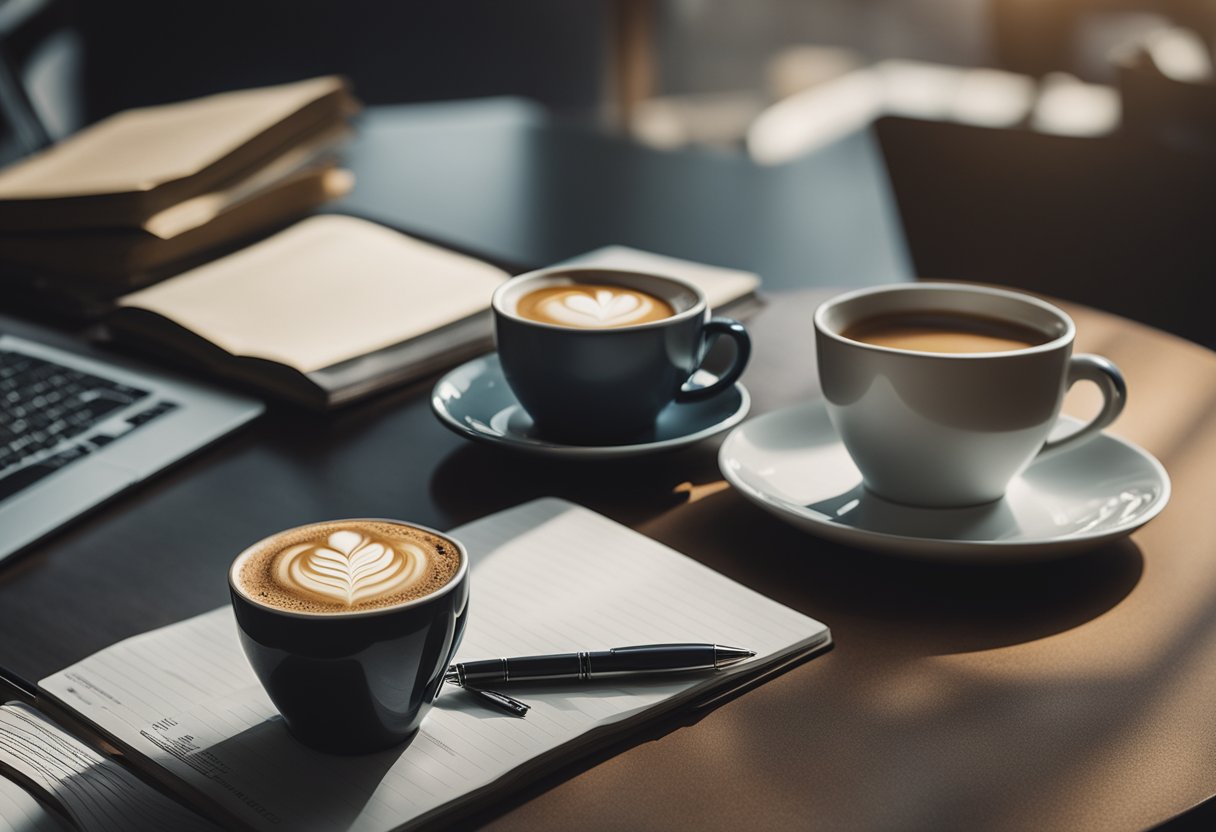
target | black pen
x=642, y=660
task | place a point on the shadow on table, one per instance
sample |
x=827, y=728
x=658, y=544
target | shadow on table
x=592, y=754
x=873, y=694
x=277, y=770
x=475, y=480
x=938, y=607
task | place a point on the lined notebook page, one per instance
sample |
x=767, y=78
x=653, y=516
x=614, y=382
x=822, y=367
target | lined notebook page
x=96, y=793
x=547, y=576
x=20, y=812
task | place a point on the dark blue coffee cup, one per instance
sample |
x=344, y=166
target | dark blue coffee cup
x=602, y=385
x=353, y=683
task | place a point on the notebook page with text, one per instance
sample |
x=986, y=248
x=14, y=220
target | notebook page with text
x=547, y=576
x=96, y=793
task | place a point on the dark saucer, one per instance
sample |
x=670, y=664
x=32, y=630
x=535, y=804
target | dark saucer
x=475, y=401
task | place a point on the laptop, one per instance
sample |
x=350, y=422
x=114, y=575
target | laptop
x=75, y=430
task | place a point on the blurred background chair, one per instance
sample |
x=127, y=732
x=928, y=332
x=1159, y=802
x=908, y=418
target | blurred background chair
x=40, y=69
x=1119, y=222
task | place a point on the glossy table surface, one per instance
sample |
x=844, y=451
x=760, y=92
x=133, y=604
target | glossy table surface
x=504, y=180
x=1068, y=695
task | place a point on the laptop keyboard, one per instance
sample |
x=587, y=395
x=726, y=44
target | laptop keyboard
x=45, y=410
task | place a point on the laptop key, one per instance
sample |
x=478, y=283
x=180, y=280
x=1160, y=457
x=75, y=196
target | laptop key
x=30, y=474
x=43, y=403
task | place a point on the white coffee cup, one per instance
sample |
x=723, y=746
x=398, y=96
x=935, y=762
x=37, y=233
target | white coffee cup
x=947, y=429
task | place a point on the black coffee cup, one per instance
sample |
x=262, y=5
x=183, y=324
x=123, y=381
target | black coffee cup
x=609, y=384
x=352, y=683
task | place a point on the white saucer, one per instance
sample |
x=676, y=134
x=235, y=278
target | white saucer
x=792, y=464
x=475, y=401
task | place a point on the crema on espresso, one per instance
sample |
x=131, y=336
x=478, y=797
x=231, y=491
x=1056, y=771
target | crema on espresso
x=347, y=566
x=592, y=306
x=944, y=332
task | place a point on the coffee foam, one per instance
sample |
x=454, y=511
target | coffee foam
x=592, y=306
x=347, y=566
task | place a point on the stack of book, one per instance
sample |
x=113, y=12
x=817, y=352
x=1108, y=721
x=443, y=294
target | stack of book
x=150, y=192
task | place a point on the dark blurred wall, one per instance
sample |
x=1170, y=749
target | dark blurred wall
x=1036, y=37
x=140, y=52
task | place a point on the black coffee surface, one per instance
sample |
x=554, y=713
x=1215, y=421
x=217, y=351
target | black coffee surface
x=944, y=332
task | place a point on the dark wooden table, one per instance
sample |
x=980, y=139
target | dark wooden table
x=1069, y=695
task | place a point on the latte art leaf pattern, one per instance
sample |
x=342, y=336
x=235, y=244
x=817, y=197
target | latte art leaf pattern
x=351, y=567
x=604, y=307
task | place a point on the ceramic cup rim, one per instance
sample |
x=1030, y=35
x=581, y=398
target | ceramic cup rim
x=497, y=301
x=1065, y=338
x=456, y=580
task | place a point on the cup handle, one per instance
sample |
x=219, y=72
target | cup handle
x=1106, y=375
x=714, y=329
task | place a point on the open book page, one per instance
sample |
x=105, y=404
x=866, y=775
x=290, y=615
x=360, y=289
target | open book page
x=546, y=577
x=201, y=209
x=328, y=289
x=96, y=793
x=720, y=285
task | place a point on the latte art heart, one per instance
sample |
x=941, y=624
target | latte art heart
x=346, y=566
x=351, y=567
x=605, y=306
x=592, y=306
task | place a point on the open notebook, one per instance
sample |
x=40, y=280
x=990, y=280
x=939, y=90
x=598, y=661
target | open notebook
x=547, y=576
x=336, y=307
x=330, y=309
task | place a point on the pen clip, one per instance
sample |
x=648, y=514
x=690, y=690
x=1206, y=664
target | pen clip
x=500, y=700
